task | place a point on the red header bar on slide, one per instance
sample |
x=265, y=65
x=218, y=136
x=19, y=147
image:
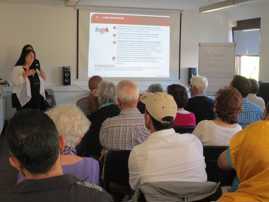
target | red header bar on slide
x=130, y=20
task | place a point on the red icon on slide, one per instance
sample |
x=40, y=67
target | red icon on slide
x=102, y=30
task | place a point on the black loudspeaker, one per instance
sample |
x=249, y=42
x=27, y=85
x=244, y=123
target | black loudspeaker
x=66, y=76
x=192, y=71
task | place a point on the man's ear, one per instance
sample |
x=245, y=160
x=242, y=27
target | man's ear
x=61, y=143
x=147, y=120
x=15, y=163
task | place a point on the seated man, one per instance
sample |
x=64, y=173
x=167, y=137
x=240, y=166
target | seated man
x=250, y=112
x=165, y=155
x=34, y=145
x=252, y=96
x=126, y=130
x=201, y=105
x=89, y=104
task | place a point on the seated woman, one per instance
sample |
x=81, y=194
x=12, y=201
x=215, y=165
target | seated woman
x=184, y=118
x=248, y=155
x=106, y=96
x=72, y=124
x=218, y=132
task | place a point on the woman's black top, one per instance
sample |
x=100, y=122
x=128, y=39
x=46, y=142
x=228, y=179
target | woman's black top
x=37, y=101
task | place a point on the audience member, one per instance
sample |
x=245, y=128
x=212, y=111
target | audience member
x=154, y=88
x=248, y=155
x=34, y=146
x=201, y=105
x=165, y=155
x=184, y=118
x=250, y=111
x=218, y=132
x=126, y=130
x=106, y=96
x=72, y=124
x=252, y=96
x=89, y=104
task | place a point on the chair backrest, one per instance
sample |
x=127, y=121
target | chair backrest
x=116, y=168
x=185, y=129
x=214, y=173
x=177, y=191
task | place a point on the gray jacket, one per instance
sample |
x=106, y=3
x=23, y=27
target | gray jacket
x=175, y=191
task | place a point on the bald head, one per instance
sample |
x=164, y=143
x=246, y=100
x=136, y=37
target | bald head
x=127, y=94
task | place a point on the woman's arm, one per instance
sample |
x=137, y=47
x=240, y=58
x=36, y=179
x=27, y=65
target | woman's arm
x=43, y=74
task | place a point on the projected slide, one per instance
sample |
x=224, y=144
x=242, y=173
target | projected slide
x=124, y=45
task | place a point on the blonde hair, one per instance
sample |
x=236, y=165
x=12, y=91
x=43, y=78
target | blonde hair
x=127, y=91
x=70, y=122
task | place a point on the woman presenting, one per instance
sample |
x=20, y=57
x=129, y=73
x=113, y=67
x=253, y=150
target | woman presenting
x=28, y=82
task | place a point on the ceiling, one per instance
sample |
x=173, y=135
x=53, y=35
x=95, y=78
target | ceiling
x=165, y=4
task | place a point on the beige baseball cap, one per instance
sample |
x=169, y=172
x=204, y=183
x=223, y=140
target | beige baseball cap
x=160, y=105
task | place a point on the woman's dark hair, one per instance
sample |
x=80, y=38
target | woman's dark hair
x=33, y=140
x=162, y=126
x=241, y=84
x=24, y=49
x=22, y=59
x=228, y=105
x=179, y=93
x=254, y=86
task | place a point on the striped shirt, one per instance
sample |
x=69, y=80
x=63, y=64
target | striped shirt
x=250, y=113
x=124, y=131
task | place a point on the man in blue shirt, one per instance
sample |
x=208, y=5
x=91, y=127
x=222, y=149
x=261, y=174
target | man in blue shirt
x=250, y=112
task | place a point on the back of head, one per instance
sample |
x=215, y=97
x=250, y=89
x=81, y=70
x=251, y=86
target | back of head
x=199, y=83
x=94, y=82
x=179, y=93
x=154, y=88
x=106, y=93
x=70, y=122
x=127, y=92
x=241, y=84
x=33, y=141
x=254, y=86
x=228, y=105
x=162, y=109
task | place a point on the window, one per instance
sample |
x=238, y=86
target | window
x=246, y=36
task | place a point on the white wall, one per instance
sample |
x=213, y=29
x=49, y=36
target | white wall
x=51, y=29
x=200, y=28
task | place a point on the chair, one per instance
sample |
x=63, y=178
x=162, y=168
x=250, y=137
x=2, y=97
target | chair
x=177, y=191
x=185, y=129
x=116, y=173
x=214, y=173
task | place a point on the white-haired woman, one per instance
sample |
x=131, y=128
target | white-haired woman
x=106, y=96
x=201, y=105
x=72, y=124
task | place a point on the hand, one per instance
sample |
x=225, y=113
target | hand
x=28, y=72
